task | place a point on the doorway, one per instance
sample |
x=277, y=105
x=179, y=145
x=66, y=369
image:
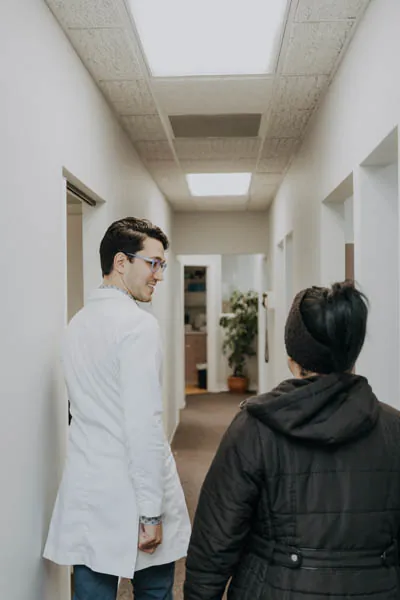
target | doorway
x=223, y=273
x=376, y=264
x=74, y=272
x=243, y=273
x=337, y=233
x=195, y=319
x=212, y=265
x=74, y=259
x=74, y=255
x=76, y=203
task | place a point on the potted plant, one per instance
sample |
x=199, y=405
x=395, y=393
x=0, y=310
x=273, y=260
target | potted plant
x=240, y=332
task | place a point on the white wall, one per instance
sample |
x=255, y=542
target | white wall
x=52, y=117
x=360, y=109
x=239, y=272
x=376, y=266
x=220, y=233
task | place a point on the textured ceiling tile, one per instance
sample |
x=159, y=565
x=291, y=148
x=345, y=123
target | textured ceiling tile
x=328, y=10
x=289, y=123
x=87, y=13
x=299, y=92
x=259, y=204
x=165, y=168
x=264, y=186
x=268, y=194
x=259, y=181
x=219, y=166
x=129, y=97
x=218, y=149
x=146, y=127
x=313, y=48
x=274, y=148
x=276, y=154
x=175, y=190
x=273, y=165
x=213, y=96
x=155, y=151
x=106, y=53
x=170, y=180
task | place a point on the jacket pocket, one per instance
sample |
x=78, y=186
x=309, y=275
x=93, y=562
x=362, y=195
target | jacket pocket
x=249, y=579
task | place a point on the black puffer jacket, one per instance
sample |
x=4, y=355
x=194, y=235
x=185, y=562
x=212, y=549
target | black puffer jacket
x=302, y=500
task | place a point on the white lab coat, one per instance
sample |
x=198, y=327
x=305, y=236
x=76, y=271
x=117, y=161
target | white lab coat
x=119, y=464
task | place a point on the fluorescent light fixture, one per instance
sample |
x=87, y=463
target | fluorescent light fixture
x=219, y=184
x=209, y=37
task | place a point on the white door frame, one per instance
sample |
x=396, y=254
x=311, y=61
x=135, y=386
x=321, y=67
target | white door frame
x=261, y=287
x=214, y=306
x=88, y=213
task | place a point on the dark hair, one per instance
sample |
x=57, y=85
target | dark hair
x=127, y=235
x=337, y=318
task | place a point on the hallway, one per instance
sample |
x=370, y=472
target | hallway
x=268, y=132
x=202, y=425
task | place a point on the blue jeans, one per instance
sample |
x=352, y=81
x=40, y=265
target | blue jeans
x=155, y=583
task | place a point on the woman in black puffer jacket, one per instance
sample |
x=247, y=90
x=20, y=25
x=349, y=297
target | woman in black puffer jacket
x=302, y=501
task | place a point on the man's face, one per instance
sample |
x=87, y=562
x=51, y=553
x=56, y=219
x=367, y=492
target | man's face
x=138, y=276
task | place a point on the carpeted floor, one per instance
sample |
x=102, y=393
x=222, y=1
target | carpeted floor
x=203, y=423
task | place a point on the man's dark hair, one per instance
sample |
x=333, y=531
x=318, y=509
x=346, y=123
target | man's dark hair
x=127, y=235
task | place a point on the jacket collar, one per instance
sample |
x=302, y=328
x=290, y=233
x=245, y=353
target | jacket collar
x=106, y=293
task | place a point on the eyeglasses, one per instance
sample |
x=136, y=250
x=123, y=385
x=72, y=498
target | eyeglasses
x=156, y=263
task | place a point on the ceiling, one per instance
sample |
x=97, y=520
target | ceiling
x=207, y=136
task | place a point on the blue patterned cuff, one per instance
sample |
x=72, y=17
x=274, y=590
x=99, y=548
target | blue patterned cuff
x=150, y=520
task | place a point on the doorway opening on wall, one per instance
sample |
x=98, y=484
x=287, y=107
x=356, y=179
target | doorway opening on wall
x=76, y=200
x=74, y=255
x=245, y=273
x=376, y=219
x=212, y=279
x=195, y=318
x=210, y=286
x=74, y=258
x=79, y=204
x=337, y=234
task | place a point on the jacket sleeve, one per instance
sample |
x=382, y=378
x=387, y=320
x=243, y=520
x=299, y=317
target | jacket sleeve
x=227, y=503
x=141, y=396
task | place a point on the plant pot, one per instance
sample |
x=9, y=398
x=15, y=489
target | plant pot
x=238, y=385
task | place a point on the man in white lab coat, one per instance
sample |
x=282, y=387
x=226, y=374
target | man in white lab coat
x=120, y=509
